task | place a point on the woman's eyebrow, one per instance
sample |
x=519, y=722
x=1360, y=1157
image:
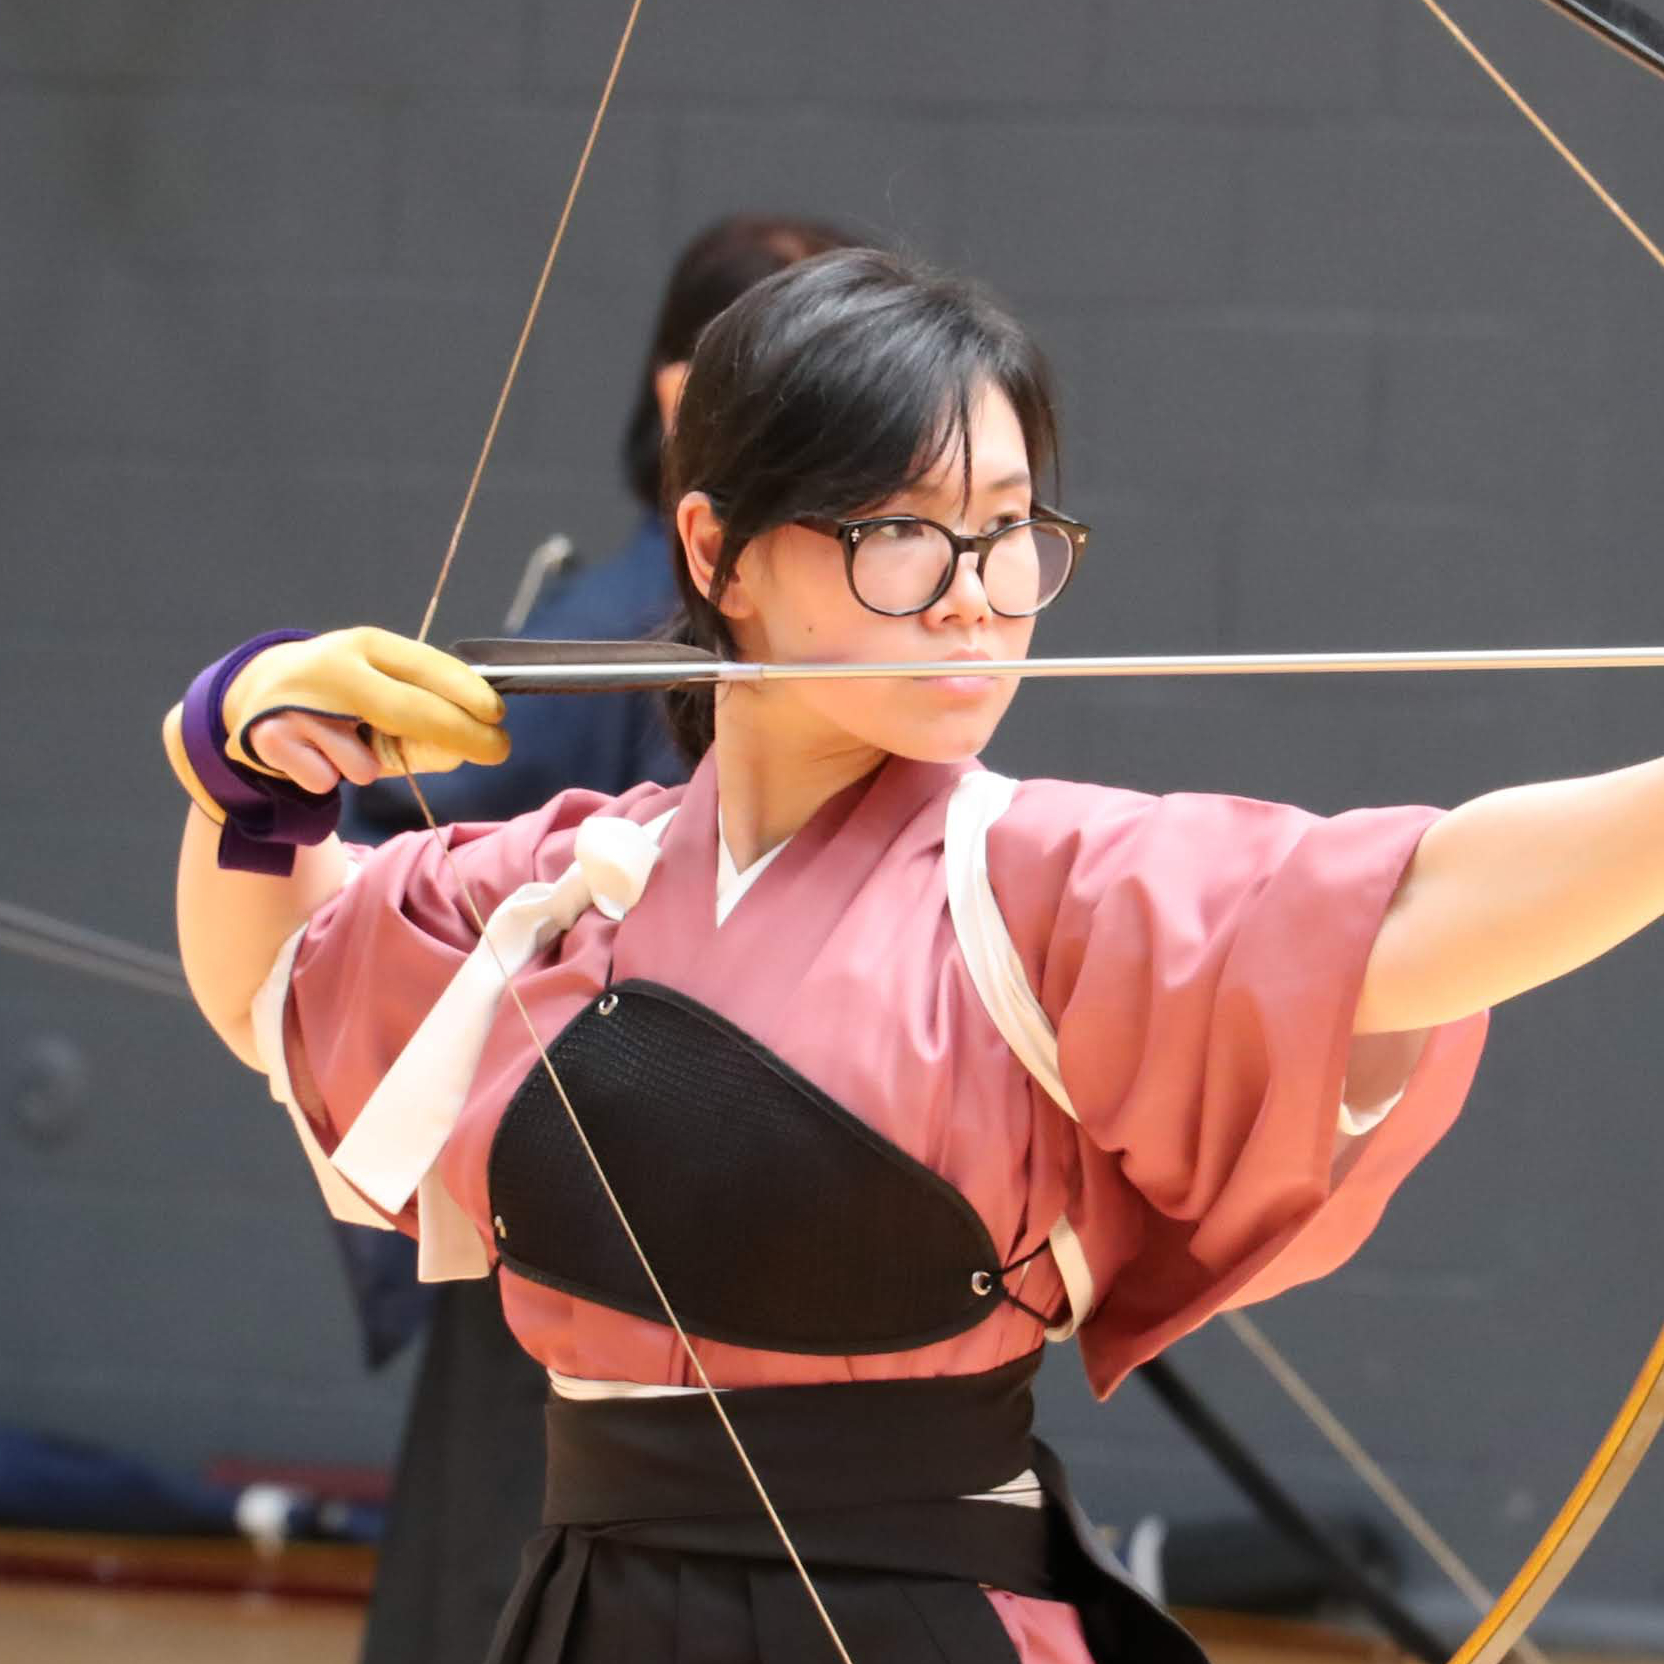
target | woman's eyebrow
x=1007, y=482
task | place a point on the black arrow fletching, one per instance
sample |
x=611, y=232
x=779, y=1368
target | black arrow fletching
x=497, y=658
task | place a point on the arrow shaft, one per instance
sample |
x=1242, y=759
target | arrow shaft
x=555, y=678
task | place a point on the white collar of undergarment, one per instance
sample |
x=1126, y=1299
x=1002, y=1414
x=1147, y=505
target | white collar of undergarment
x=731, y=883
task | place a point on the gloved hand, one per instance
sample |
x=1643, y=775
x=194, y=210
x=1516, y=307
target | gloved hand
x=314, y=711
x=265, y=735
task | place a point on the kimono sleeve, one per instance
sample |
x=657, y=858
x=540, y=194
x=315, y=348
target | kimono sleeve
x=1200, y=959
x=354, y=985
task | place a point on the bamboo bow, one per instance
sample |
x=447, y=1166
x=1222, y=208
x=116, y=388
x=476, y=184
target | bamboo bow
x=1639, y=36
x=1629, y=29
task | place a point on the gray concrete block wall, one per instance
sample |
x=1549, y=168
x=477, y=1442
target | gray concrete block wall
x=1348, y=359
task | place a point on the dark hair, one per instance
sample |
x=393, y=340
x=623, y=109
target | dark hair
x=715, y=269
x=822, y=392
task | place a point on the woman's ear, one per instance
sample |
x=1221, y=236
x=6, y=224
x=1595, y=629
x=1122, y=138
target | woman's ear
x=701, y=533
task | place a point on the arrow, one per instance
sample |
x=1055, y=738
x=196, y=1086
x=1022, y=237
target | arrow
x=600, y=666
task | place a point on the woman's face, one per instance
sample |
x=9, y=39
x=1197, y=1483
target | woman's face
x=790, y=601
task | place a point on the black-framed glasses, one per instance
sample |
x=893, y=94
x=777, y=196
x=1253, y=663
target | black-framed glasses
x=899, y=564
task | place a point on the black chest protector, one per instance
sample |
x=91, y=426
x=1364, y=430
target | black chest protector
x=773, y=1217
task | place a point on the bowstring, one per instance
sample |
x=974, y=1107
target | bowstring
x=473, y=906
x=629, y=1231
x=526, y=328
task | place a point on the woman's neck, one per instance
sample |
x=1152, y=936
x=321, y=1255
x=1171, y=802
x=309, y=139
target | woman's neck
x=770, y=782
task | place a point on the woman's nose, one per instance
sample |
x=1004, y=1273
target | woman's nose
x=965, y=596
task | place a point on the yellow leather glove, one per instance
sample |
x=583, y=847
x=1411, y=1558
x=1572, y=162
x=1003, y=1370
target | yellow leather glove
x=439, y=712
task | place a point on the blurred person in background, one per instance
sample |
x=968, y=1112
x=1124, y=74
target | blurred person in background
x=609, y=742
x=469, y=1483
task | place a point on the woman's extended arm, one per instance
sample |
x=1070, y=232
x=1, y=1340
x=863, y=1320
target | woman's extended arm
x=1514, y=889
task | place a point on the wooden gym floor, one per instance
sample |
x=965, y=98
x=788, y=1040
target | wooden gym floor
x=68, y=1598
x=65, y=1623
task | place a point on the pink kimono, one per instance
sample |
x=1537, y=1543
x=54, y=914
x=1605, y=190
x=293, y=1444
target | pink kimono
x=1199, y=959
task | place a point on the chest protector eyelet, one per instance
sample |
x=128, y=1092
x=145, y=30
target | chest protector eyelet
x=773, y=1216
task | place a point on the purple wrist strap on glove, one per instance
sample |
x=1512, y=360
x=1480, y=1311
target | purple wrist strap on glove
x=265, y=817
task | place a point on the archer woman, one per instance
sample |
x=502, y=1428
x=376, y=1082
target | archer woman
x=896, y=1068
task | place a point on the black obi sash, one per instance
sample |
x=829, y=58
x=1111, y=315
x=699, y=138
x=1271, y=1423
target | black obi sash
x=773, y=1216
x=655, y=1546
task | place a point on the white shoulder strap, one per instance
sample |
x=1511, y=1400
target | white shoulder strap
x=991, y=956
x=996, y=971
x=392, y=1150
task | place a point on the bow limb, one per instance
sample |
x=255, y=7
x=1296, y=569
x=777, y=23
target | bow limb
x=1624, y=27
x=1610, y=1469
x=686, y=1345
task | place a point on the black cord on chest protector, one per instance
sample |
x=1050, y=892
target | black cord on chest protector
x=1011, y=1299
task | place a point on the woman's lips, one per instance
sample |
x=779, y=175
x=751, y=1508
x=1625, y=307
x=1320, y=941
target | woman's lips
x=961, y=680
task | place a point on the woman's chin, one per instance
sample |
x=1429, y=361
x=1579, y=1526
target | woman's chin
x=925, y=723
x=941, y=742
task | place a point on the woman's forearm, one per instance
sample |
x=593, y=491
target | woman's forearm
x=231, y=924
x=1514, y=889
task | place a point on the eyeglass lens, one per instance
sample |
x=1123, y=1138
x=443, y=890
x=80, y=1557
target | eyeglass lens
x=898, y=566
